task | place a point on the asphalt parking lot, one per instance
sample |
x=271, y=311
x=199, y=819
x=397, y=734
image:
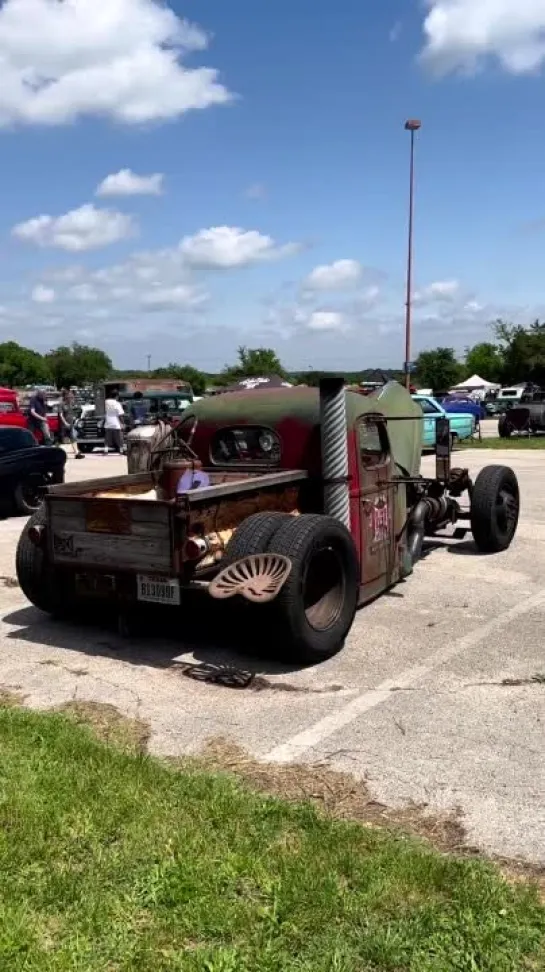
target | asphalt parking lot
x=438, y=698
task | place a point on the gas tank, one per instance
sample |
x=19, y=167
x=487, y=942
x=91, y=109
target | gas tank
x=139, y=444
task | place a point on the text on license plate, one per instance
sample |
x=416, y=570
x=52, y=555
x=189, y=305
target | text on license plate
x=158, y=590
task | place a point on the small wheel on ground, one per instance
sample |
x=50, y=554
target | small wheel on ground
x=495, y=508
x=315, y=608
x=28, y=495
x=254, y=535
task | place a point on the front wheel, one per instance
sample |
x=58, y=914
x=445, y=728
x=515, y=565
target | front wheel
x=495, y=508
x=315, y=608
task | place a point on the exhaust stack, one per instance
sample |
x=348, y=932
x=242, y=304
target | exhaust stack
x=334, y=449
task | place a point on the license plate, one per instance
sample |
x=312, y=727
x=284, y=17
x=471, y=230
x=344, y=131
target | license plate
x=158, y=590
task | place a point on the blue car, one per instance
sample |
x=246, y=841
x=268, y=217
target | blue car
x=462, y=424
x=453, y=404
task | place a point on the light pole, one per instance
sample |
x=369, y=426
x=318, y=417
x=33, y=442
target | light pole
x=411, y=126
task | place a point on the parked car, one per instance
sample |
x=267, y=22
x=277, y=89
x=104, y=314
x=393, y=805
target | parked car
x=26, y=469
x=90, y=426
x=451, y=403
x=462, y=424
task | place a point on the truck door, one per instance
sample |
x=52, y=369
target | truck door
x=377, y=499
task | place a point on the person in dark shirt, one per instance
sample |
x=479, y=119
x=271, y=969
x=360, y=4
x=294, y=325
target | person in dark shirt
x=37, y=417
x=138, y=409
x=66, y=421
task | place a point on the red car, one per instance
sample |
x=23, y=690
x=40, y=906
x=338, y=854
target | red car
x=11, y=413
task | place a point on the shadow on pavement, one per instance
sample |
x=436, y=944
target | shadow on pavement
x=211, y=638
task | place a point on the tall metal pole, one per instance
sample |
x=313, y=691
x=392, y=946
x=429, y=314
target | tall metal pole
x=411, y=126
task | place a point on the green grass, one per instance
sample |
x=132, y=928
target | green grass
x=517, y=442
x=113, y=862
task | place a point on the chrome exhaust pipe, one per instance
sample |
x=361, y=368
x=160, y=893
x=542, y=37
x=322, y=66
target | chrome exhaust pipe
x=333, y=433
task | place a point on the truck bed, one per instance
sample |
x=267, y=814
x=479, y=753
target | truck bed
x=116, y=523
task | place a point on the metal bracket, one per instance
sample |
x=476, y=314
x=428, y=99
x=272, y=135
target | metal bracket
x=258, y=578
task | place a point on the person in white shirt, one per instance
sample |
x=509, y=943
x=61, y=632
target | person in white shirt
x=114, y=423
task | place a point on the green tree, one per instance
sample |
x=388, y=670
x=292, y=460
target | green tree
x=78, y=365
x=21, y=366
x=438, y=369
x=253, y=362
x=523, y=351
x=197, y=379
x=486, y=360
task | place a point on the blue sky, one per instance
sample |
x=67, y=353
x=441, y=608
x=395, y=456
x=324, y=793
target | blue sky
x=277, y=214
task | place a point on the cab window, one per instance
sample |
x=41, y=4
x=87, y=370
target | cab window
x=427, y=407
x=372, y=441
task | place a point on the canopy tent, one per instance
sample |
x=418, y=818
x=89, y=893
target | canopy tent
x=475, y=383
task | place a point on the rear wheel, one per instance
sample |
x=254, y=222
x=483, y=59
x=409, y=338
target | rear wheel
x=315, y=608
x=34, y=572
x=254, y=535
x=495, y=507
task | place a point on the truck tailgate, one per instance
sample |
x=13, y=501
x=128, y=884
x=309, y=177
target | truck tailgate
x=111, y=534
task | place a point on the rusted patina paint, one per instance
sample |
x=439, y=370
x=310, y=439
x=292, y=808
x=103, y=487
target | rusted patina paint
x=229, y=513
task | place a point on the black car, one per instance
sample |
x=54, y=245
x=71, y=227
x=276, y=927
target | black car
x=26, y=469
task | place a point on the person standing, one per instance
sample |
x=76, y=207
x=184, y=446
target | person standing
x=37, y=418
x=114, y=423
x=66, y=419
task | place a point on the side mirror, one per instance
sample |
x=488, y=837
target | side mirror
x=442, y=449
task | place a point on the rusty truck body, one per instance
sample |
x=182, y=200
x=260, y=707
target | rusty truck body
x=305, y=503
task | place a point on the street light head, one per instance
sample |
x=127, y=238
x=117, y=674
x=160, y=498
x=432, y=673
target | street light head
x=413, y=125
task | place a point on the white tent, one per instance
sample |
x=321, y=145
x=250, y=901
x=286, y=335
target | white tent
x=475, y=383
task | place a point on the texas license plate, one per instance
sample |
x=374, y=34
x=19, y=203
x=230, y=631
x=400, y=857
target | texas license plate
x=158, y=590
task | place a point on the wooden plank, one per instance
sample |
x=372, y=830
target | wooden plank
x=114, y=552
x=208, y=494
x=76, y=524
x=150, y=511
x=69, y=524
x=73, y=507
x=90, y=486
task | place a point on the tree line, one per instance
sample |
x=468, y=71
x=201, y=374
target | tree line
x=515, y=354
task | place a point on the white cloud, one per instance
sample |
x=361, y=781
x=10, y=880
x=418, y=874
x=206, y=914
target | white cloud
x=86, y=228
x=460, y=34
x=227, y=247
x=128, y=183
x=83, y=292
x=441, y=290
x=121, y=59
x=181, y=296
x=43, y=295
x=340, y=275
x=326, y=321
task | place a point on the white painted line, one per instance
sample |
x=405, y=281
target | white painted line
x=294, y=748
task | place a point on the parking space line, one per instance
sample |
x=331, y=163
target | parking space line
x=294, y=748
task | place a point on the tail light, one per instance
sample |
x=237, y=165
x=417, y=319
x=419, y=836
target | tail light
x=36, y=535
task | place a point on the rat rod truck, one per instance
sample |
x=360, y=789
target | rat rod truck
x=306, y=503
